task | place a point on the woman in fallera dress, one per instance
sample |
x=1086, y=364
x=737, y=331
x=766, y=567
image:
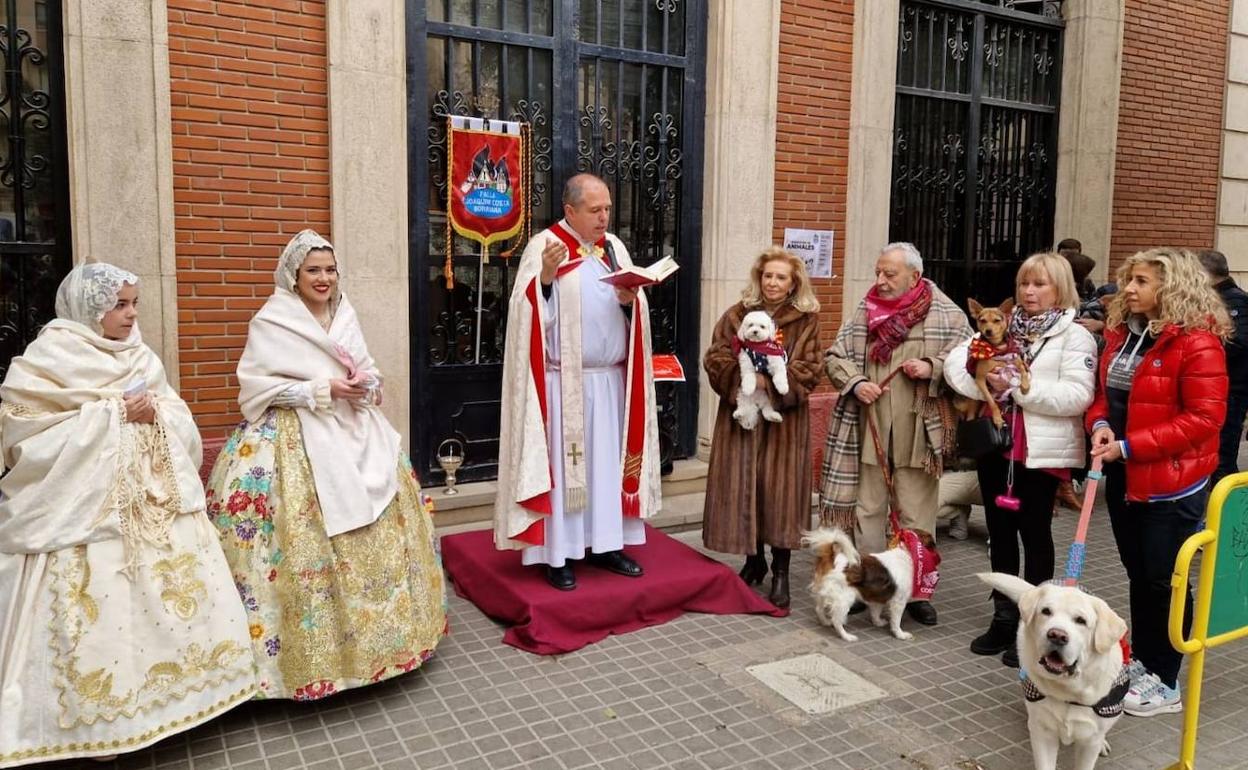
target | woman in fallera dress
x=322, y=520
x=119, y=623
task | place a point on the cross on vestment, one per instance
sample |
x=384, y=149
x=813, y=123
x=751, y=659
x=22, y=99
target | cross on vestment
x=576, y=455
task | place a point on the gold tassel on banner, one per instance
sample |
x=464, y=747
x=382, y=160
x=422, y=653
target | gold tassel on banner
x=526, y=202
x=448, y=270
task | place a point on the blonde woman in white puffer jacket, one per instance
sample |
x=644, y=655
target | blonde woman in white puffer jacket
x=1047, y=423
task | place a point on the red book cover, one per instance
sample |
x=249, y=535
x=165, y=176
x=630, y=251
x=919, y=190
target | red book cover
x=636, y=277
x=667, y=368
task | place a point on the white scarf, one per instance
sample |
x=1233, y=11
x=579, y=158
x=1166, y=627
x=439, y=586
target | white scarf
x=61, y=437
x=353, y=450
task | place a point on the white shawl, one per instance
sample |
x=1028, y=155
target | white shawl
x=524, y=476
x=353, y=450
x=61, y=437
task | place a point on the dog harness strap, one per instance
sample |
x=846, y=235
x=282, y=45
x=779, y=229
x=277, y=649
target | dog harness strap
x=1107, y=707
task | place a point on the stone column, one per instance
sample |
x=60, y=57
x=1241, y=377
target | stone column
x=368, y=183
x=872, y=104
x=120, y=152
x=742, y=68
x=1232, y=229
x=1088, y=126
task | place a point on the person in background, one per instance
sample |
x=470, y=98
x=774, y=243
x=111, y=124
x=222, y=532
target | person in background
x=1072, y=250
x=758, y=484
x=1236, y=301
x=1160, y=401
x=1046, y=425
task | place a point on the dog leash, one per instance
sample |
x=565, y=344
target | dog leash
x=1074, y=559
x=894, y=506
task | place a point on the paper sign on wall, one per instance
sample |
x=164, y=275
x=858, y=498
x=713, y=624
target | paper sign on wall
x=814, y=247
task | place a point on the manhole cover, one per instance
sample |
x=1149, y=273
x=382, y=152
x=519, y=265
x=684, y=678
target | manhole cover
x=815, y=683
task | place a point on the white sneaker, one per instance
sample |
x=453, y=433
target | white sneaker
x=1135, y=671
x=1152, y=697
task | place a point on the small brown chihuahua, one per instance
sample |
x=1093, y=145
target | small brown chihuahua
x=992, y=351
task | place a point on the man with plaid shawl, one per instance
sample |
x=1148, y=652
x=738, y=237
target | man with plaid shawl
x=904, y=322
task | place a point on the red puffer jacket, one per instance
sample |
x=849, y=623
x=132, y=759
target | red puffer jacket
x=1175, y=410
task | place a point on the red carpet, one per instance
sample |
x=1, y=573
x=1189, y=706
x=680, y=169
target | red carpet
x=547, y=621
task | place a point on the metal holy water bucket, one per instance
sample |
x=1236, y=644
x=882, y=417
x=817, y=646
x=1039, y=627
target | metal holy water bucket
x=450, y=462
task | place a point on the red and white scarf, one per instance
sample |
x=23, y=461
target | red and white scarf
x=889, y=319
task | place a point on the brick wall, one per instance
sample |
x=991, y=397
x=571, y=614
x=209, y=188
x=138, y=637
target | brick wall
x=1169, y=124
x=812, y=132
x=251, y=168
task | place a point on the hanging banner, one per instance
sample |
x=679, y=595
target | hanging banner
x=487, y=184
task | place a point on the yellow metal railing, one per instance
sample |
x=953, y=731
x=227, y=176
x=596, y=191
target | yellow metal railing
x=1224, y=600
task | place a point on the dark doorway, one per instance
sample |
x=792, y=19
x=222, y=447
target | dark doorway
x=34, y=178
x=975, y=138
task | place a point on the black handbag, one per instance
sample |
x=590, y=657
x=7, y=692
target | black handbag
x=981, y=437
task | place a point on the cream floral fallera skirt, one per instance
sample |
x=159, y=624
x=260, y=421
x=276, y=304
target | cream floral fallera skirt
x=324, y=614
x=93, y=662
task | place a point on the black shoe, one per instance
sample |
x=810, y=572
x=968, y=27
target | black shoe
x=1010, y=657
x=779, y=595
x=561, y=577
x=857, y=607
x=1003, y=630
x=923, y=612
x=755, y=569
x=617, y=562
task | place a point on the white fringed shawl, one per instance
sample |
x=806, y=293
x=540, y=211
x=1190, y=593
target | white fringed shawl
x=352, y=448
x=62, y=439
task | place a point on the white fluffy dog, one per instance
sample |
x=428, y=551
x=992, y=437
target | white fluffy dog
x=759, y=352
x=1076, y=677
x=884, y=581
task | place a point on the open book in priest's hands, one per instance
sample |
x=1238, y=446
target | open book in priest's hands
x=635, y=277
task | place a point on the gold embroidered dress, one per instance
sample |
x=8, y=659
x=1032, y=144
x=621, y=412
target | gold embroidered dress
x=119, y=622
x=322, y=520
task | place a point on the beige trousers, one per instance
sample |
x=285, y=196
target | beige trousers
x=917, y=493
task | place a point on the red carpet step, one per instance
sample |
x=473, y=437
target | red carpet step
x=546, y=621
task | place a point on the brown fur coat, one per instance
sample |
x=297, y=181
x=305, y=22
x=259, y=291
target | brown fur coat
x=759, y=484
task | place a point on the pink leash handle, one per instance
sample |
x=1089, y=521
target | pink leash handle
x=1078, y=549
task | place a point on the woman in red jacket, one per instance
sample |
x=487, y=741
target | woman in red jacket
x=1160, y=403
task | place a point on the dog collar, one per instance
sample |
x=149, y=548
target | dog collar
x=1107, y=707
x=766, y=347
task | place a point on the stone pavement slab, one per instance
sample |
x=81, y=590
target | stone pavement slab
x=680, y=696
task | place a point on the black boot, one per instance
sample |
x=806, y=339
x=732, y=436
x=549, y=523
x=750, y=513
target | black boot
x=1002, y=631
x=1010, y=656
x=779, y=577
x=755, y=568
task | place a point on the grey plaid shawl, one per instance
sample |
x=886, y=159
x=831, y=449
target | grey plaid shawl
x=943, y=329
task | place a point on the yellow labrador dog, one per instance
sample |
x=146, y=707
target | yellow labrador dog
x=1074, y=668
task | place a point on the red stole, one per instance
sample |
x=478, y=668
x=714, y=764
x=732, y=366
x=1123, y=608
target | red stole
x=635, y=383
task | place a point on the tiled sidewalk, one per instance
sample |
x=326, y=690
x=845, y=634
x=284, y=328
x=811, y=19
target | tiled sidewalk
x=678, y=696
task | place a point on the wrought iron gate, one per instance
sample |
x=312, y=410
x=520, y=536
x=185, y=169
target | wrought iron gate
x=614, y=87
x=975, y=138
x=34, y=182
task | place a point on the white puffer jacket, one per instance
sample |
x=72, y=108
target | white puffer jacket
x=1063, y=381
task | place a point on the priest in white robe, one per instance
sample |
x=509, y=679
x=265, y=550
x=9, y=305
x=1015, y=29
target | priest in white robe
x=579, y=444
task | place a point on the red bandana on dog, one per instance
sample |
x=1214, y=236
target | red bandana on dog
x=766, y=347
x=925, y=563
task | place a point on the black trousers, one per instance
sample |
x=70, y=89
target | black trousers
x=1032, y=524
x=1231, y=436
x=1149, y=536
